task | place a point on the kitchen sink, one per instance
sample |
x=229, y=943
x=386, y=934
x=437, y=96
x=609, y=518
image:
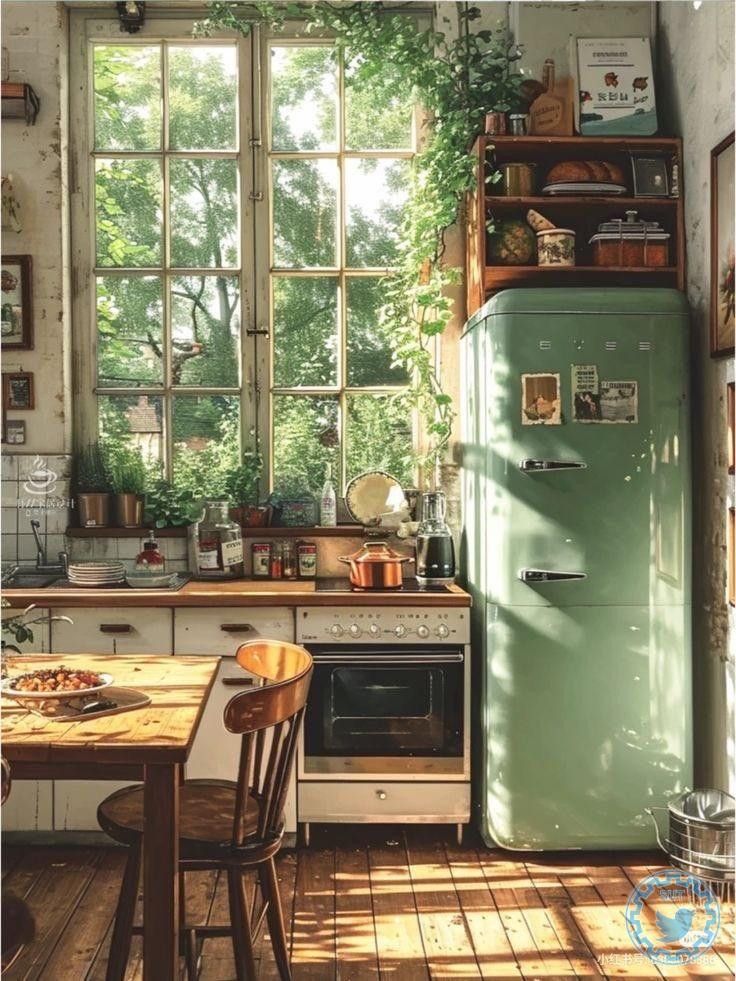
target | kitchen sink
x=30, y=579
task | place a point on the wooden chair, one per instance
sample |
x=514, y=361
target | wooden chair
x=226, y=825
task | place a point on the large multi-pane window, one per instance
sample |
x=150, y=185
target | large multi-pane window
x=225, y=315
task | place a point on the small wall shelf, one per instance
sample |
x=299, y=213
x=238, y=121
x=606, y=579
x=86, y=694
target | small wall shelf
x=583, y=214
x=19, y=101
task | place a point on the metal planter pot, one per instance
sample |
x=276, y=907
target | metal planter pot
x=94, y=510
x=128, y=510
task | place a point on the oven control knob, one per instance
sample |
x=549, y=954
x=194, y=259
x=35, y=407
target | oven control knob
x=336, y=630
x=374, y=630
x=443, y=630
x=422, y=631
x=354, y=630
x=400, y=630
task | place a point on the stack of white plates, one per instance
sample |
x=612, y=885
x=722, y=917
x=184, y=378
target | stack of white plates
x=96, y=574
x=577, y=188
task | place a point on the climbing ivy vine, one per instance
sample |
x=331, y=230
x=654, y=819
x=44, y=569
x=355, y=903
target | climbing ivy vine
x=457, y=76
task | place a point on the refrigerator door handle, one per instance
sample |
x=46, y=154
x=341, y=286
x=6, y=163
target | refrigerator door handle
x=532, y=466
x=549, y=575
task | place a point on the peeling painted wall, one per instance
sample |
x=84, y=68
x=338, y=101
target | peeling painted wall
x=35, y=36
x=696, y=88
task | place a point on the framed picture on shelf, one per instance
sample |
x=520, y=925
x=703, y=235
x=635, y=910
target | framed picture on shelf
x=18, y=390
x=731, y=424
x=15, y=432
x=16, y=313
x=722, y=205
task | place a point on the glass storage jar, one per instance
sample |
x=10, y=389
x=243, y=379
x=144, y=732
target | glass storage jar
x=218, y=544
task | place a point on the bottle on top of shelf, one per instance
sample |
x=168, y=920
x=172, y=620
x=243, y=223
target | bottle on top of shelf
x=328, y=501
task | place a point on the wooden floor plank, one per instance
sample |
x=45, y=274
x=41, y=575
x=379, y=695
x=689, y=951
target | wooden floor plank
x=355, y=934
x=52, y=901
x=558, y=904
x=218, y=963
x=447, y=944
x=313, y=937
x=493, y=951
x=398, y=935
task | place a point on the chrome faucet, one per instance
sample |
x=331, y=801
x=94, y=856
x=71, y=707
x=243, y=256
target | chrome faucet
x=42, y=565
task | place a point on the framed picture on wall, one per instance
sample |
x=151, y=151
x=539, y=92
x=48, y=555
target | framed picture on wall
x=16, y=314
x=15, y=432
x=18, y=390
x=722, y=205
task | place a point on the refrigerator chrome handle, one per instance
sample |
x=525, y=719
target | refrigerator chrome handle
x=533, y=466
x=549, y=575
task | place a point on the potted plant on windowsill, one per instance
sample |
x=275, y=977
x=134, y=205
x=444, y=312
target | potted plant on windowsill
x=128, y=480
x=92, y=487
x=241, y=486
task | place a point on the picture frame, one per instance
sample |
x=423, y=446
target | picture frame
x=731, y=425
x=16, y=303
x=15, y=432
x=18, y=390
x=722, y=206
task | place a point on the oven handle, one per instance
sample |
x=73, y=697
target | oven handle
x=379, y=661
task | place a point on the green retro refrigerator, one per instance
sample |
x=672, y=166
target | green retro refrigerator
x=576, y=550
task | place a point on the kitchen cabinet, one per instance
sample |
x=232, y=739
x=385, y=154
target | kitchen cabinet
x=216, y=752
x=102, y=631
x=30, y=805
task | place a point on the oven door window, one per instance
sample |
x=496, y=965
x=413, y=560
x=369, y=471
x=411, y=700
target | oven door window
x=385, y=709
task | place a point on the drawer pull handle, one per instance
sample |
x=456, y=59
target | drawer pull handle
x=115, y=628
x=237, y=682
x=381, y=794
x=236, y=628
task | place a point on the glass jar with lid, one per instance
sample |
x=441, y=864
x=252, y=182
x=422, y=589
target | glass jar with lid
x=218, y=544
x=435, y=549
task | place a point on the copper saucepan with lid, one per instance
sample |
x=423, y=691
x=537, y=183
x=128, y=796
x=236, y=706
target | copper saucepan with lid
x=376, y=566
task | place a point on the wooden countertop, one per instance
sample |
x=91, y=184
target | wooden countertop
x=241, y=592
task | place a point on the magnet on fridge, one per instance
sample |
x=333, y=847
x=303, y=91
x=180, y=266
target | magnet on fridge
x=540, y=399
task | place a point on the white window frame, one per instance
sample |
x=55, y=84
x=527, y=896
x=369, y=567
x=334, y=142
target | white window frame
x=256, y=315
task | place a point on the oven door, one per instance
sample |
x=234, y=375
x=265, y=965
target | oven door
x=386, y=710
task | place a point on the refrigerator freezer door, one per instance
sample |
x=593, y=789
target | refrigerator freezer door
x=587, y=723
x=590, y=497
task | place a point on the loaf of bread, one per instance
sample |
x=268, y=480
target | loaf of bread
x=578, y=171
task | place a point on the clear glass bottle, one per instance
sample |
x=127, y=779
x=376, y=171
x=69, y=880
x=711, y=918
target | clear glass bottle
x=288, y=556
x=328, y=501
x=218, y=544
x=435, y=550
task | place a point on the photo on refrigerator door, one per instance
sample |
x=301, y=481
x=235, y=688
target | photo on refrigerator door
x=619, y=401
x=540, y=400
x=586, y=397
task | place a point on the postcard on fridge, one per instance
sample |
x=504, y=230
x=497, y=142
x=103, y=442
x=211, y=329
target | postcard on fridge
x=586, y=398
x=619, y=401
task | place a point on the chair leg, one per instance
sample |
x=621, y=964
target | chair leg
x=270, y=890
x=123, y=929
x=245, y=965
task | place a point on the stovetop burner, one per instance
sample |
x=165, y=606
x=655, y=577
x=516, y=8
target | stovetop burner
x=342, y=585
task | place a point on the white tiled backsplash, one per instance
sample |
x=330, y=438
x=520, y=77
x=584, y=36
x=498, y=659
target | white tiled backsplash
x=25, y=496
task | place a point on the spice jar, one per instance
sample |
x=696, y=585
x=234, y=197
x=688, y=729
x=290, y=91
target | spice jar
x=261, y=552
x=289, y=560
x=218, y=543
x=150, y=559
x=307, y=552
x=276, y=561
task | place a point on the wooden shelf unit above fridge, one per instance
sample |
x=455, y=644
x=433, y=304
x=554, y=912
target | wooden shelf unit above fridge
x=583, y=214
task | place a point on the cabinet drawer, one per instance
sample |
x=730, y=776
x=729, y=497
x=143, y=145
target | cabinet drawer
x=433, y=803
x=113, y=631
x=222, y=631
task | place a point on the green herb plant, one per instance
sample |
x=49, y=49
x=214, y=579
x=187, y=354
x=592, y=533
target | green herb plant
x=457, y=76
x=128, y=471
x=92, y=470
x=169, y=506
x=241, y=484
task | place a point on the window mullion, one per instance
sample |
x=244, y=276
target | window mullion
x=167, y=401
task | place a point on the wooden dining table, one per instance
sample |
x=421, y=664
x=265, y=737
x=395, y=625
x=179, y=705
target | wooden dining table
x=150, y=744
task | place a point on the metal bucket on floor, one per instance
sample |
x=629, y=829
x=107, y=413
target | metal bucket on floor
x=701, y=837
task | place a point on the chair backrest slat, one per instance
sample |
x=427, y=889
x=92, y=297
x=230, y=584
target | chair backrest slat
x=274, y=710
